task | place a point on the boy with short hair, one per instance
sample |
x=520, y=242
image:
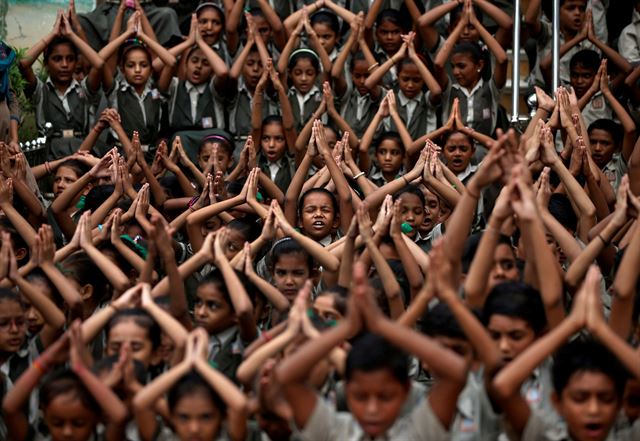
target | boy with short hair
x=588, y=381
x=370, y=378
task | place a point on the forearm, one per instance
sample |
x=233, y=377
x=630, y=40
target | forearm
x=28, y=198
x=409, y=263
x=390, y=284
x=252, y=364
x=273, y=295
x=579, y=267
x=43, y=304
x=24, y=228
x=475, y=284
x=111, y=271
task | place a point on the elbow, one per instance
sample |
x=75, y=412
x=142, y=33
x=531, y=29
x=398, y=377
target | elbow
x=499, y=388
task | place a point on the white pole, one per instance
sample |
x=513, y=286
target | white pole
x=556, y=44
x=515, y=82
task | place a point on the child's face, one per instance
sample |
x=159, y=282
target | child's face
x=64, y=177
x=458, y=152
x=13, y=326
x=469, y=32
x=411, y=211
x=324, y=307
x=318, y=217
x=631, y=399
x=327, y=36
x=289, y=274
x=196, y=418
x=602, y=147
x=389, y=37
x=512, y=335
x=303, y=75
x=359, y=75
x=504, y=266
x=35, y=321
x=137, y=68
x=465, y=71
x=581, y=78
x=205, y=154
x=410, y=81
x=212, y=311
x=61, y=63
x=81, y=69
x=375, y=399
x=129, y=333
x=198, y=68
x=210, y=25
x=235, y=243
x=252, y=70
x=572, y=15
x=68, y=419
x=390, y=156
x=589, y=404
x=263, y=28
x=432, y=213
x=273, y=142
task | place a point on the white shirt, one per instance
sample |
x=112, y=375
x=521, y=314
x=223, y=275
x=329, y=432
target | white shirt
x=302, y=99
x=410, y=104
x=64, y=97
x=194, y=94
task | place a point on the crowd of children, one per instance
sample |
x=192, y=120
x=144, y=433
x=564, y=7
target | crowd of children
x=283, y=220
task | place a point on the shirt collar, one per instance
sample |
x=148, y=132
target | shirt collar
x=635, y=19
x=404, y=100
x=477, y=87
x=308, y=95
x=199, y=88
x=74, y=84
x=467, y=171
x=125, y=86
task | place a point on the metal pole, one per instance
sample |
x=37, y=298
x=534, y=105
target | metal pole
x=556, y=44
x=515, y=81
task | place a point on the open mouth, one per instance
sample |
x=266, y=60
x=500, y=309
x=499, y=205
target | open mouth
x=595, y=430
x=318, y=225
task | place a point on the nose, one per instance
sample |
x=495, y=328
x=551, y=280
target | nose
x=67, y=430
x=504, y=346
x=199, y=310
x=387, y=156
x=288, y=280
x=31, y=315
x=272, y=143
x=13, y=327
x=593, y=406
x=137, y=68
x=194, y=427
x=372, y=407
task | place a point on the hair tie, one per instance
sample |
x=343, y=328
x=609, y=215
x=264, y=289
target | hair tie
x=306, y=51
x=216, y=137
x=135, y=41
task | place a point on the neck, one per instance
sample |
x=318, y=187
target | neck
x=389, y=176
x=61, y=86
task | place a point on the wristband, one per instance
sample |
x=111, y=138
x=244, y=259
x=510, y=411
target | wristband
x=359, y=175
x=40, y=367
x=192, y=202
x=604, y=242
x=406, y=181
x=266, y=336
x=373, y=66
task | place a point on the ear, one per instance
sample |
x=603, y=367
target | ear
x=86, y=292
x=481, y=65
x=21, y=253
x=336, y=221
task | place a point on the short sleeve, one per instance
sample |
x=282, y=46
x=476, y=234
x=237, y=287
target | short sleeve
x=327, y=424
x=539, y=429
x=425, y=425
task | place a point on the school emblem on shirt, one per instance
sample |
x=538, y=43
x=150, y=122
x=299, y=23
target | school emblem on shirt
x=468, y=425
x=155, y=94
x=486, y=113
x=598, y=102
x=207, y=122
x=533, y=396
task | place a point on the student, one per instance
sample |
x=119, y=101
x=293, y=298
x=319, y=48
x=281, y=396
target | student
x=610, y=148
x=374, y=366
x=212, y=27
x=588, y=380
x=416, y=108
x=627, y=41
x=61, y=100
x=478, y=98
x=388, y=37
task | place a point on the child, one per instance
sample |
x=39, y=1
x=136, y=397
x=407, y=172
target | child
x=61, y=100
x=375, y=368
x=304, y=96
x=478, y=98
x=195, y=103
x=211, y=25
x=416, y=108
x=390, y=159
x=588, y=380
x=388, y=37
x=627, y=41
x=606, y=138
x=202, y=403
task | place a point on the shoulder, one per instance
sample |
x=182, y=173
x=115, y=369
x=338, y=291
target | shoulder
x=539, y=428
x=421, y=423
x=327, y=424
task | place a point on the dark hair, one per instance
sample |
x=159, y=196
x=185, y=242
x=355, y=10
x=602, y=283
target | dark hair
x=610, y=126
x=58, y=41
x=440, y=321
x=141, y=318
x=587, y=58
x=471, y=246
x=390, y=15
x=272, y=119
x=339, y=295
x=516, y=300
x=16, y=239
x=216, y=278
x=83, y=270
x=11, y=296
x=391, y=135
x=131, y=45
x=371, y=352
x=213, y=5
x=470, y=48
x=306, y=54
x=587, y=355
x=38, y=274
x=448, y=135
x=78, y=167
x=191, y=384
x=97, y=196
x=358, y=56
x=64, y=381
x=457, y=12
x=221, y=137
x=287, y=246
x=332, y=197
x=561, y=209
x=248, y=227
x=326, y=17
x=411, y=189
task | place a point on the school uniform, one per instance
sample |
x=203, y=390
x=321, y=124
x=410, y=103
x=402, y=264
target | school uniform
x=303, y=106
x=225, y=351
x=478, y=106
x=194, y=110
x=280, y=172
x=629, y=40
x=164, y=433
x=67, y=112
x=376, y=176
x=418, y=114
x=140, y=113
x=596, y=108
x=615, y=170
x=358, y=110
x=327, y=424
x=390, y=78
x=475, y=419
